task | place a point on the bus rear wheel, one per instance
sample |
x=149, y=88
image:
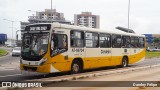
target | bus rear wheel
x=124, y=62
x=76, y=67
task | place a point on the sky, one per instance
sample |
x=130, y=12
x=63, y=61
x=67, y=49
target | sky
x=144, y=14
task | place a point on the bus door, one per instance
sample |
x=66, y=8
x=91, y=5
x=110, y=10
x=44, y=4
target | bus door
x=59, y=51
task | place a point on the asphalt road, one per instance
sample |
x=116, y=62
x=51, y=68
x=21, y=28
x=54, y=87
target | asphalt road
x=135, y=80
x=9, y=69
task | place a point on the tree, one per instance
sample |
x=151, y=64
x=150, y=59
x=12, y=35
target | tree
x=156, y=40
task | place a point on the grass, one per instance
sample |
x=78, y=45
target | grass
x=152, y=54
x=2, y=52
x=148, y=54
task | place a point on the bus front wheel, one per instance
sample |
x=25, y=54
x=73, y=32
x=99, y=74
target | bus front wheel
x=124, y=62
x=76, y=67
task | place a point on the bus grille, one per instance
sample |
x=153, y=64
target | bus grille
x=30, y=68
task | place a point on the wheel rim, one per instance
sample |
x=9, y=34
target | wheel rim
x=75, y=68
x=124, y=62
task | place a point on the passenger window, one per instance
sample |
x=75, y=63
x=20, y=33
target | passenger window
x=141, y=42
x=77, y=38
x=105, y=40
x=126, y=42
x=116, y=41
x=58, y=44
x=91, y=40
x=134, y=42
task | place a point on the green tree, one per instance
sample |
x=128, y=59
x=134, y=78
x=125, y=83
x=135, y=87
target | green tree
x=156, y=40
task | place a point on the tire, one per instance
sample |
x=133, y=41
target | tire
x=124, y=62
x=76, y=67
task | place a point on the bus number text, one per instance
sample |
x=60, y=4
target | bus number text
x=105, y=51
x=77, y=50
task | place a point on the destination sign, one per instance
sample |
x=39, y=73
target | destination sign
x=40, y=27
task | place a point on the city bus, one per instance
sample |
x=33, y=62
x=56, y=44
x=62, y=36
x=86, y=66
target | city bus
x=55, y=47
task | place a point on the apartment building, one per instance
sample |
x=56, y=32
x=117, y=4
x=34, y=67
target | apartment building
x=87, y=19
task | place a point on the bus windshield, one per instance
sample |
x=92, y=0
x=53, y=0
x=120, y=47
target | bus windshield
x=35, y=44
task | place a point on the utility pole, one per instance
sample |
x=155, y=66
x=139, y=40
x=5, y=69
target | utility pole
x=12, y=27
x=51, y=10
x=128, y=13
x=17, y=36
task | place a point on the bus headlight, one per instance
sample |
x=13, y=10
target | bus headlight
x=43, y=61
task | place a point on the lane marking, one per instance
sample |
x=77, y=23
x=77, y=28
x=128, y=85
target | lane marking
x=11, y=75
x=7, y=69
x=9, y=66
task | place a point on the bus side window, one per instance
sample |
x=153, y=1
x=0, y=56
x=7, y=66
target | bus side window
x=126, y=42
x=92, y=39
x=116, y=41
x=136, y=42
x=77, y=38
x=104, y=40
x=133, y=42
x=141, y=42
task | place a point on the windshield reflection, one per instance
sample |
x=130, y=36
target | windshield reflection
x=35, y=44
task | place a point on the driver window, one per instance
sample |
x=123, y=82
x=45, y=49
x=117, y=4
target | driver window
x=58, y=44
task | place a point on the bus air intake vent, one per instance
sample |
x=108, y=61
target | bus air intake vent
x=125, y=29
x=30, y=68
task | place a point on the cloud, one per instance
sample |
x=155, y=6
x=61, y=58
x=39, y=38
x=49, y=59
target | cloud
x=144, y=14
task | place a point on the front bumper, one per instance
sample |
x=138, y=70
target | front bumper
x=42, y=69
x=16, y=54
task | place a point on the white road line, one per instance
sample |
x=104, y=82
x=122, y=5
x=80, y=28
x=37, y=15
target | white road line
x=9, y=66
x=11, y=75
x=6, y=69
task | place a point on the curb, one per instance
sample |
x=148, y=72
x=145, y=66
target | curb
x=87, y=75
x=98, y=73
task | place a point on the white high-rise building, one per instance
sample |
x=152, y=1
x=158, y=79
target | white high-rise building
x=46, y=16
x=87, y=19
